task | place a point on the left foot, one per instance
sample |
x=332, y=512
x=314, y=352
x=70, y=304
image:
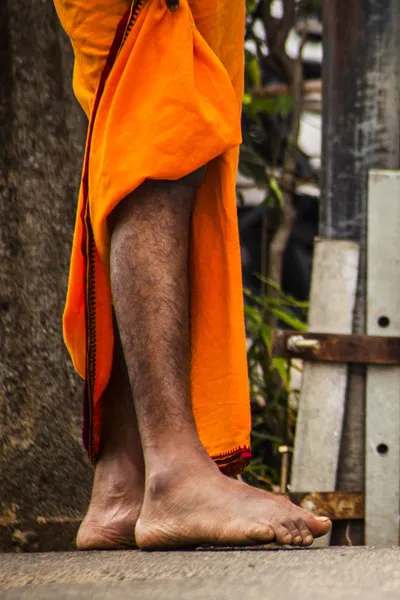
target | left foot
x=118, y=486
x=114, y=509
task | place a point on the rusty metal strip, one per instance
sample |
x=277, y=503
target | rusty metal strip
x=329, y=347
x=338, y=506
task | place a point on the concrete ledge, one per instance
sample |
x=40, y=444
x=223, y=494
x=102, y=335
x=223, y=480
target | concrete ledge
x=248, y=574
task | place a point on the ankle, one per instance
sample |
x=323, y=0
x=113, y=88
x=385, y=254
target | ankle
x=115, y=465
x=170, y=472
x=176, y=449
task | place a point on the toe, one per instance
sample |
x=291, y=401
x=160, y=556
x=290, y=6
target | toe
x=319, y=526
x=282, y=534
x=297, y=537
x=262, y=534
x=294, y=531
x=325, y=524
x=306, y=536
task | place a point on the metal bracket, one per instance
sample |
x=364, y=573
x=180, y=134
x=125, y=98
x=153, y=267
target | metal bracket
x=338, y=506
x=332, y=347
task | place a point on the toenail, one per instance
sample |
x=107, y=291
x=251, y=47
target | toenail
x=270, y=533
x=298, y=539
x=309, y=539
x=323, y=519
x=288, y=538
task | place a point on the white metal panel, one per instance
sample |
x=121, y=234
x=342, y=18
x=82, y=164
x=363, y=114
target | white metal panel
x=383, y=382
x=323, y=394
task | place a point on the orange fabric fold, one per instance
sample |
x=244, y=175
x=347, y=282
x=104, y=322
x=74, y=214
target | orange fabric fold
x=163, y=102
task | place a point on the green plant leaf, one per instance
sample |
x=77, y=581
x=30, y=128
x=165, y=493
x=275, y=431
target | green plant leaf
x=289, y=319
x=250, y=5
x=247, y=99
x=266, y=336
x=284, y=104
x=274, y=187
x=280, y=365
x=253, y=314
x=251, y=165
x=288, y=299
x=253, y=72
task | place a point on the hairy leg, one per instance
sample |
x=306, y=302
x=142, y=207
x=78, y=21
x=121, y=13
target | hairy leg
x=187, y=500
x=149, y=279
x=118, y=486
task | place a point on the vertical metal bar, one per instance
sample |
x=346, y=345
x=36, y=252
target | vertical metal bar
x=361, y=99
x=382, y=451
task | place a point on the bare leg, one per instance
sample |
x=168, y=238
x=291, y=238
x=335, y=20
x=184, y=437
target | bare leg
x=187, y=500
x=118, y=486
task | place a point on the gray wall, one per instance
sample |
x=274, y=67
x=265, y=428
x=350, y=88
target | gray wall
x=44, y=476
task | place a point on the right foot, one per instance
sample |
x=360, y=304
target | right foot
x=114, y=509
x=201, y=506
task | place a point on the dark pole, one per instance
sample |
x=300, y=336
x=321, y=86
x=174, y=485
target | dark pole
x=361, y=131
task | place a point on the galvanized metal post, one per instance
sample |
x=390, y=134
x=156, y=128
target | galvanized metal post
x=361, y=116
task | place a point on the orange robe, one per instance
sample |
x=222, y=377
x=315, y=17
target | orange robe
x=162, y=91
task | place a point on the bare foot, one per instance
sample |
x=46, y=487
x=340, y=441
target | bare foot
x=115, y=506
x=118, y=486
x=199, y=506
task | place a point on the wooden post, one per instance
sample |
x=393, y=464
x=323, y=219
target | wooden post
x=361, y=131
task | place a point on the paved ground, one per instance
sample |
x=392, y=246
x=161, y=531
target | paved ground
x=333, y=574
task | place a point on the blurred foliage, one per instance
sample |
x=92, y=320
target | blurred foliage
x=273, y=399
x=266, y=119
x=265, y=126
